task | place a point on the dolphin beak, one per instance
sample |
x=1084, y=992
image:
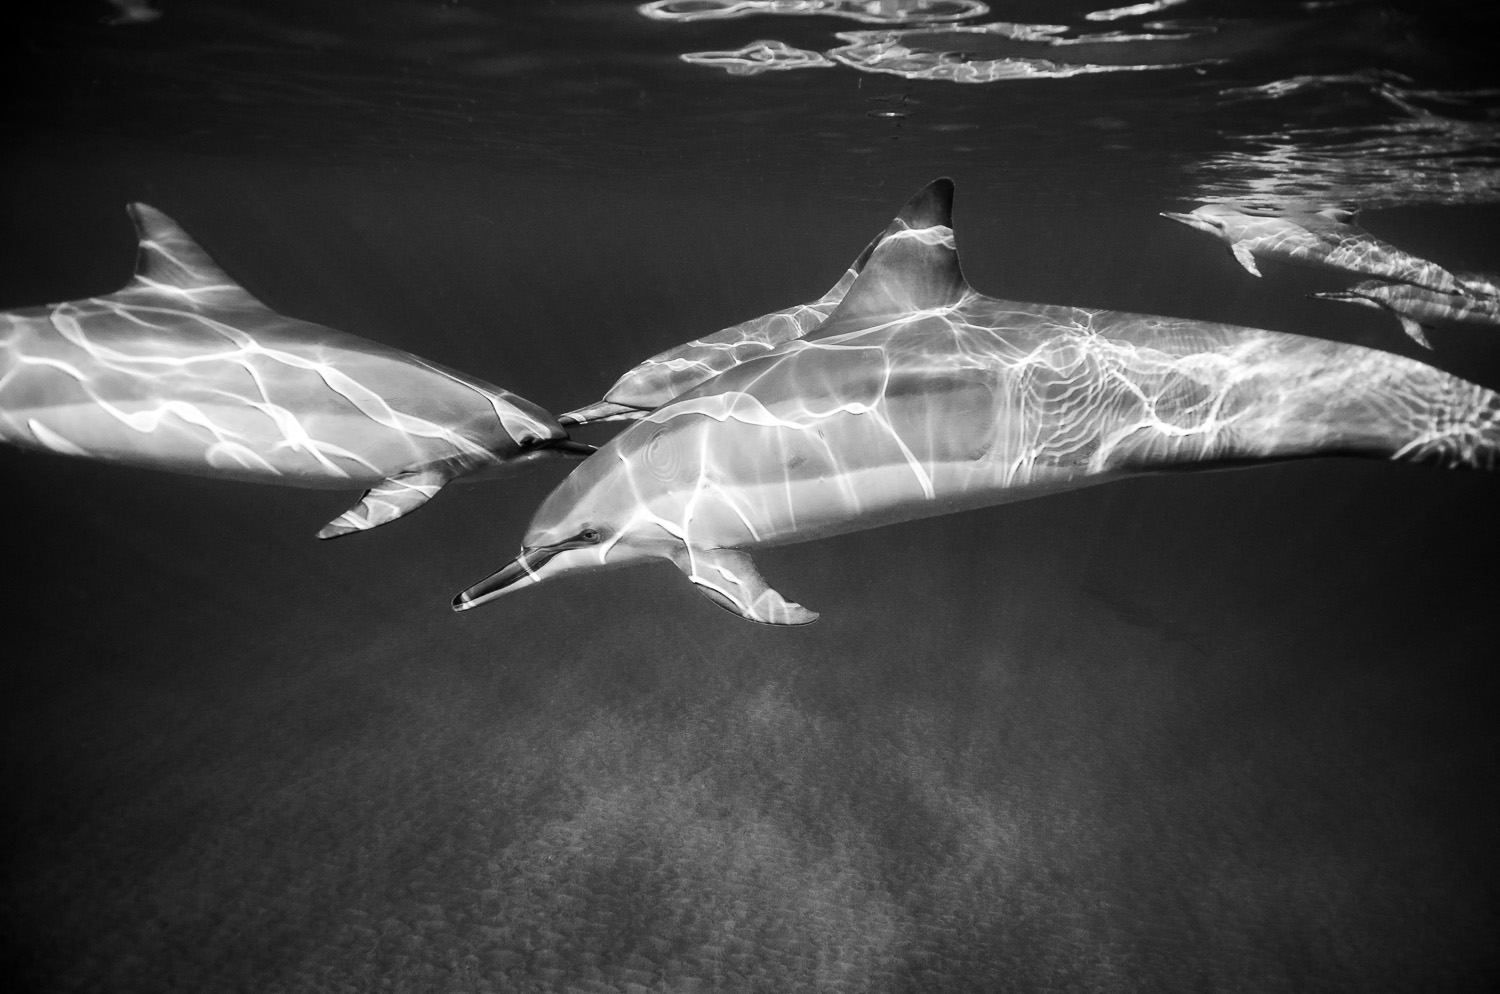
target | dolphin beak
x=603, y=411
x=521, y=568
x=567, y=447
x=1184, y=218
x=526, y=568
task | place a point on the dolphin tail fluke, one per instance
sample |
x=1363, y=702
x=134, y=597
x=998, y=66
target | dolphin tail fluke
x=1245, y=258
x=387, y=501
x=728, y=577
x=604, y=410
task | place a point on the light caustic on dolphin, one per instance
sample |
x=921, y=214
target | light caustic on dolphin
x=1325, y=239
x=184, y=370
x=925, y=397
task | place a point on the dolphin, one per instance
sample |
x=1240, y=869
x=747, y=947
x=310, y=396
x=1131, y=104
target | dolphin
x=1325, y=239
x=924, y=397
x=1418, y=308
x=652, y=383
x=184, y=370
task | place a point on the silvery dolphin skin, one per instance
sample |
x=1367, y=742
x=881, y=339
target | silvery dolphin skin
x=184, y=370
x=1418, y=308
x=655, y=381
x=924, y=397
x=1325, y=239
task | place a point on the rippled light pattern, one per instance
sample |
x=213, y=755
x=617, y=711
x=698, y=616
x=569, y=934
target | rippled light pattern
x=1327, y=239
x=184, y=370
x=865, y=11
x=1418, y=308
x=758, y=57
x=1134, y=10
x=987, y=53
x=926, y=397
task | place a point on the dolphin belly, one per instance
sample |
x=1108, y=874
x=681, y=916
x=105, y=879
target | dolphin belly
x=229, y=441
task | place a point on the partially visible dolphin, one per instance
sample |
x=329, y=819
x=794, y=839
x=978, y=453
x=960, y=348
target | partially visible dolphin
x=652, y=383
x=184, y=370
x=1418, y=308
x=1325, y=239
x=924, y=397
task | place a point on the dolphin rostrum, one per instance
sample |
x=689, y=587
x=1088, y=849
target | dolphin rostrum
x=184, y=370
x=1418, y=308
x=1325, y=239
x=655, y=381
x=924, y=397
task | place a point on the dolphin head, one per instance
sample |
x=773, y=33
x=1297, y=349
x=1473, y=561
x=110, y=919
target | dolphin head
x=1370, y=293
x=1211, y=219
x=594, y=520
x=646, y=386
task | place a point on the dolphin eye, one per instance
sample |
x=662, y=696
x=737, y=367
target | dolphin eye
x=589, y=534
x=527, y=440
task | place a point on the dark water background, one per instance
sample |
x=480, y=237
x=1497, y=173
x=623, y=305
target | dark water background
x=1233, y=731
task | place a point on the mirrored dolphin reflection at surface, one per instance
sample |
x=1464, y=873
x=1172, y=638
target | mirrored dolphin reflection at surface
x=655, y=381
x=925, y=397
x=1418, y=308
x=1325, y=239
x=184, y=370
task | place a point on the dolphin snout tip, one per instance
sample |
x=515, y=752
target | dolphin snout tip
x=503, y=580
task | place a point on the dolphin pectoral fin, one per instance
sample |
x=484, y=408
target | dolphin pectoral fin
x=1245, y=258
x=387, y=501
x=728, y=577
x=1414, y=329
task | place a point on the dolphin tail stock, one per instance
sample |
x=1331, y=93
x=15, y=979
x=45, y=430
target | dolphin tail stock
x=387, y=501
x=728, y=577
x=169, y=263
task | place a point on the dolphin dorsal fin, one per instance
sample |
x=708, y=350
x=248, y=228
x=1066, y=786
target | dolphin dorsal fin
x=914, y=266
x=169, y=263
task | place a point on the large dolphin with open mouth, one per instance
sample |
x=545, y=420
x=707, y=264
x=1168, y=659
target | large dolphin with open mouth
x=1324, y=239
x=924, y=397
x=184, y=370
x=655, y=381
